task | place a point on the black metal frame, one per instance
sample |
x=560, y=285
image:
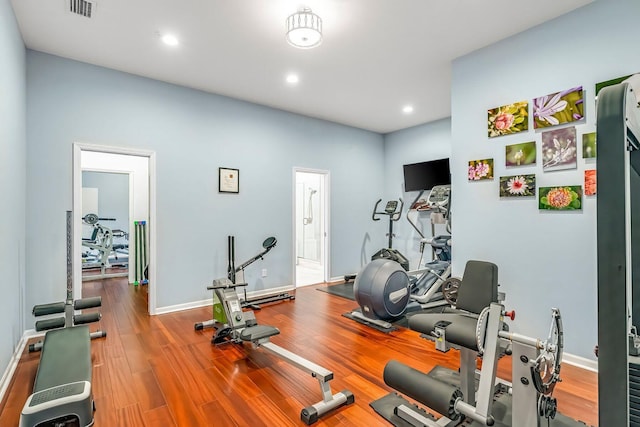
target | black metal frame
x=618, y=180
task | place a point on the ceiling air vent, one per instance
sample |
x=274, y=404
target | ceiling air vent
x=82, y=7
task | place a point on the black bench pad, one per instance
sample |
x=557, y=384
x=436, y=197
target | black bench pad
x=461, y=331
x=65, y=358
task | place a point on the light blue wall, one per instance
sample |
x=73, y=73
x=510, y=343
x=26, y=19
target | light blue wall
x=416, y=144
x=113, y=197
x=12, y=182
x=546, y=259
x=193, y=133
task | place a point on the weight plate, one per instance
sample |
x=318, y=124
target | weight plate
x=450, y=289
x=91, y=218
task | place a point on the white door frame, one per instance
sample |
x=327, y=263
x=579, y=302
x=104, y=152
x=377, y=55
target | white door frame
x=78, y=148
x=325, y=216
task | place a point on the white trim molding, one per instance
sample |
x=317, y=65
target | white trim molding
x=209, y=301
x=185, y=306
x=78, y=148
x=15, y=359
x=580, y=362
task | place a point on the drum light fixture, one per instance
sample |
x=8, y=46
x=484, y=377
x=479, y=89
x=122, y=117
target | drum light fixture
x=304, y=29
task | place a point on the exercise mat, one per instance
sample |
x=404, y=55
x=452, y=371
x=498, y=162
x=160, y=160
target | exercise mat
x=348, y=315
x=385, y=408
x=402, y=322
x=344, y=290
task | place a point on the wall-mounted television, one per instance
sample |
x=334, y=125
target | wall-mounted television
x=426, y=175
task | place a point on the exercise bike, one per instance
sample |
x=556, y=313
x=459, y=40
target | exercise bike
x=236, y=275
x=234, y=325
x=385, y=291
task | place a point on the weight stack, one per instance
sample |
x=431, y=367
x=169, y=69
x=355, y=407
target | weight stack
x=634, y=394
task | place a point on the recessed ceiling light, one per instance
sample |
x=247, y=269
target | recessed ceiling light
x=170, y=40
x=407, y=109
x=292, y=79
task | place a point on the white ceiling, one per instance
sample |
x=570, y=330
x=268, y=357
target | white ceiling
x=376, y=56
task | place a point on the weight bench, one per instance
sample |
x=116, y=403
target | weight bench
x=62, y=390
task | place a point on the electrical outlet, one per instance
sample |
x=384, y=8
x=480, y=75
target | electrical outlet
x=264, y=272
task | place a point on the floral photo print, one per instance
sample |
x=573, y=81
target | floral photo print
x=590, y=185
x=520, y=154
x=480, y=169
x=508, y=119
x=559, y=150
x=518, y=186
x=588, y=145
x=558, y=108
x=566, y=198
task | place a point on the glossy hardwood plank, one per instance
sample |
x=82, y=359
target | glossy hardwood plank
x=183, y=410
x=147, y=391
x=158, y=371
x=130, y=416
x=159, y=417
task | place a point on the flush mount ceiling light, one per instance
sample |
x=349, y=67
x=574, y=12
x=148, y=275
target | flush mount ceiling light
x=304, y=29
x=170, y=40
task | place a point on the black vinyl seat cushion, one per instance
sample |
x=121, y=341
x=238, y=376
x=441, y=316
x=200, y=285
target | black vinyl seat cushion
x=479, y=288
x=461, y=331
x=65, y=358
x=257, y=332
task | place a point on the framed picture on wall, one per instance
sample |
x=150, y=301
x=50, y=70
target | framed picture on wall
x=229, y=180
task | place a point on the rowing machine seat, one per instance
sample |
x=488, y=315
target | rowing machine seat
x=258, y=332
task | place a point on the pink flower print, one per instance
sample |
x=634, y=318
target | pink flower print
x=504, y=121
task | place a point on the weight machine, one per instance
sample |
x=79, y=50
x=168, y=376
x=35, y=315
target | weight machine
x=103, y=253
x=477, y=331
x=618, y=203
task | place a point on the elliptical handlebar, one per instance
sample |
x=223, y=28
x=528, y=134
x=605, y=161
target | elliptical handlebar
x=398, y=214
x=391, y=210
x=375, y=211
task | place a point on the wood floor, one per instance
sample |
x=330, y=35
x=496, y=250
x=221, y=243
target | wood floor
x=158, y=371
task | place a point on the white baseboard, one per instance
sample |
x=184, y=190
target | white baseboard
x=270, y=291
x=209, y=301
x=185, y=306
x=580, y=362
x=13, y=363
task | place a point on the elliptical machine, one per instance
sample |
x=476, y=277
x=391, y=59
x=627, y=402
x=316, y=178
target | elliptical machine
x=394, y=213
x=385, y=291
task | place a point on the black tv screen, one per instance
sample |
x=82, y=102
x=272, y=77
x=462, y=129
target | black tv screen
x=426, y=175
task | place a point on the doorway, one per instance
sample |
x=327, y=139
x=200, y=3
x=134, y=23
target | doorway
x=138, y=168
x=106, y=218
x=311, y=207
